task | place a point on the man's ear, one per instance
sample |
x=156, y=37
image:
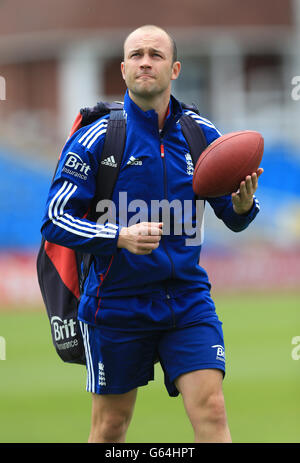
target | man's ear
x=176, y=70
x=123, y=69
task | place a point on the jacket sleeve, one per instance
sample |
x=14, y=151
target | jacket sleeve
x=222, y=206
x=71, y=193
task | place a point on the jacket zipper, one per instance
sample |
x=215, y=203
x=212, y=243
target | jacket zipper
x=162, y=155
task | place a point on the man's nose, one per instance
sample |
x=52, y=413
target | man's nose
x=146, y=61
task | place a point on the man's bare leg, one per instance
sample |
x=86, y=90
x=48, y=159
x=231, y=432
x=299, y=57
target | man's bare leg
x=111, y=416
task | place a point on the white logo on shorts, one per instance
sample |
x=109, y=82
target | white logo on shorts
x=220, y=352
x=102, y=380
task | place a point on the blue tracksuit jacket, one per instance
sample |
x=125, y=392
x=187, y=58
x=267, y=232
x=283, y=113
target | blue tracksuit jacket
x=156, y=166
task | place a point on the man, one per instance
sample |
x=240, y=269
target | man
x=146, y=297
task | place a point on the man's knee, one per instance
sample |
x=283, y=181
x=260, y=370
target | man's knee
x=203, y=397
x=212, y=408
x=208, y=418
x=111, y=417
x=111, y=427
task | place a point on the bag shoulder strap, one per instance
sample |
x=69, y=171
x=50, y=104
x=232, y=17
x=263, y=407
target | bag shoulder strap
x=107, y=174
x=111, y=158
x=193, y=134
x=112, y=153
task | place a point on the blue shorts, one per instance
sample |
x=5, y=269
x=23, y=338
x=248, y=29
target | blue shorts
x=120, y=359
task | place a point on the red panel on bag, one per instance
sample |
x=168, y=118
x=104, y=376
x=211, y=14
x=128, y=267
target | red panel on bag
x=77, y=124
x=64, y=261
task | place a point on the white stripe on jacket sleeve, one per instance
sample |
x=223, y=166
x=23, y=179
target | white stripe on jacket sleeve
x=67, y=222
x=89, y=133
x=202, y=121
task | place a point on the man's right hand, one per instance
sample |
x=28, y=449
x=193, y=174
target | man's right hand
x=141, y=238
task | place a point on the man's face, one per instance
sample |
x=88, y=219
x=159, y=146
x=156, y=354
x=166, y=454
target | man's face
x=148, y=68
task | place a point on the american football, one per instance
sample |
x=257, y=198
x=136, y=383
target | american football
x=226, y=162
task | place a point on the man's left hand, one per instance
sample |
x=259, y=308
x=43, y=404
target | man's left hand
x=242, y=200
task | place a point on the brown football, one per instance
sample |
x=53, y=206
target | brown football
x=226, y=162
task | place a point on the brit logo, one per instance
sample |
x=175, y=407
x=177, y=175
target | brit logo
x=64, y=333
x=102, y=380
x=110, y=161
x=189, y=164
x=76, y=166
x=63, y=329
x=220, y=352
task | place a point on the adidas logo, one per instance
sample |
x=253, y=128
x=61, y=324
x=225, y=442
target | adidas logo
x=134, y=162
x=110, y=161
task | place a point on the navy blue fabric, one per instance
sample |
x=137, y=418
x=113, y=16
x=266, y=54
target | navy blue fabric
x=183, y=333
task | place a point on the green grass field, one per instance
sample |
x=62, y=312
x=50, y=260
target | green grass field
x=44, y=400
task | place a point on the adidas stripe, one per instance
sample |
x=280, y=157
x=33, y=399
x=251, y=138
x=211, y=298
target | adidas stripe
x=94, y=132
x=202, y=120
x=69, y=223
x=90, y=384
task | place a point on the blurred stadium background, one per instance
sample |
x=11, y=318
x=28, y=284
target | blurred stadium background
x=240, y=60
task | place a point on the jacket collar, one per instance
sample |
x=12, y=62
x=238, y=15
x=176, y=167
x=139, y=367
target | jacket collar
x=150, y=117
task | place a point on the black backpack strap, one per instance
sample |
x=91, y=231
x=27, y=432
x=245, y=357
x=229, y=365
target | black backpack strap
x=108, y=171
x=111, y=157
x=194, y=136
